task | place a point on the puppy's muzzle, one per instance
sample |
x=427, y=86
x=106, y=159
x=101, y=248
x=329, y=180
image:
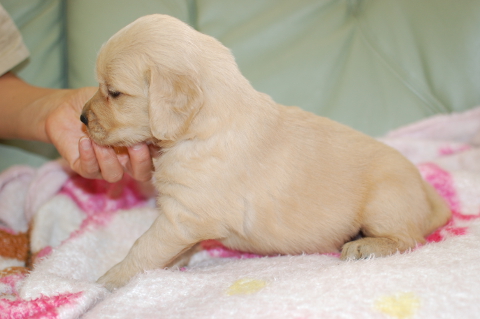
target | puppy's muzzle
x=84, y=119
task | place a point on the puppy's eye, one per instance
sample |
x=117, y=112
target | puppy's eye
x=114, y=94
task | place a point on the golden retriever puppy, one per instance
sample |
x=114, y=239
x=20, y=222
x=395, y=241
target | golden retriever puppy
x=237, y=167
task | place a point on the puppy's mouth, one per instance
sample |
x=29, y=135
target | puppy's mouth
x=94, y=129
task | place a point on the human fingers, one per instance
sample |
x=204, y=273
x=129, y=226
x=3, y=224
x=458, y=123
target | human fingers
x=111, y=169
x=86, y=164
x=140, y=165
x=66, y=132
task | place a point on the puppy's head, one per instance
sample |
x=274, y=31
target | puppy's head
x=149, y=83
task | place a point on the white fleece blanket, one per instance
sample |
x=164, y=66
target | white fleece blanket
x=80, y=228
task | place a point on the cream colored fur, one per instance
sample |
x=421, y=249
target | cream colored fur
x=237, y=167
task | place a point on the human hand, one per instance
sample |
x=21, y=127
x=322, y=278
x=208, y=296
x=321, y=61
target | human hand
x=52, y=115
x=67, y=133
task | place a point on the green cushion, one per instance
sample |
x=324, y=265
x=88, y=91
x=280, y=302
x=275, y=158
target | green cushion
x=41, y=23
x=374, y=64
x=90, y=23
x=11, y=156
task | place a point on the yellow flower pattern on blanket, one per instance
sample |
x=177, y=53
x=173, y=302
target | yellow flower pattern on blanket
x=401, y=305
x=246, y=286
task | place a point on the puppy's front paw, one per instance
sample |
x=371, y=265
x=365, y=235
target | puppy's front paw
x=114, y=278
x=368, y=246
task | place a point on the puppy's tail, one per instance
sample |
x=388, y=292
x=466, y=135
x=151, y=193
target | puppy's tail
x=440, y=211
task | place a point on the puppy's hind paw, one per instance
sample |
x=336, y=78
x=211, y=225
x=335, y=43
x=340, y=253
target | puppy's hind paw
x=369, y=247
x=113, y=279
x=110, y=285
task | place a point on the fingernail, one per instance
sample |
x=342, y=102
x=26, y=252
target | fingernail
x=136, y=147
x=85, y=143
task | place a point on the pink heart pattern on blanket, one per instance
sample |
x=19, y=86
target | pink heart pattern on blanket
x=444, y=184
x=100, y=199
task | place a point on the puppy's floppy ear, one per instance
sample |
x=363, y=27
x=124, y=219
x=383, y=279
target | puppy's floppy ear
x=174, y=100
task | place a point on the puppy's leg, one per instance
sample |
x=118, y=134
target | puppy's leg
x=393, y=220
x=373, y=246
x=184, y=259
x=440, y=212
x=158, y=247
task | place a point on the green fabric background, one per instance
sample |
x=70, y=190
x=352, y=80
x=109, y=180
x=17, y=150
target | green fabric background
x=372, y=64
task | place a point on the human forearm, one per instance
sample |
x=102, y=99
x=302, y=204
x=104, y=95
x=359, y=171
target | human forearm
x=53, y=116
x=22, y=113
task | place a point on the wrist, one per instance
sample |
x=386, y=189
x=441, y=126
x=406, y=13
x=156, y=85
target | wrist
x=33, y=116
x=21, y=112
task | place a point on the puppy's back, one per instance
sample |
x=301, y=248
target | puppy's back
x=311, y=183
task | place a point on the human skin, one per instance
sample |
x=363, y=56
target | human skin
x=52, y=115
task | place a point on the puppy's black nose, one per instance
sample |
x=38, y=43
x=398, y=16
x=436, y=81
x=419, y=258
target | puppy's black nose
x=84, y=119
